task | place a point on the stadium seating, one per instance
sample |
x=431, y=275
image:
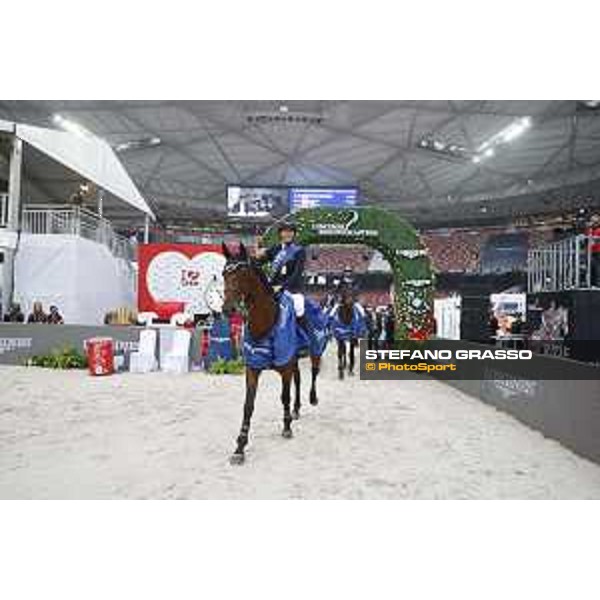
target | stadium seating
x=454, y=251
x=335, y=258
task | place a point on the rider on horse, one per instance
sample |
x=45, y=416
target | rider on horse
x=347, y=284
x=287, y=262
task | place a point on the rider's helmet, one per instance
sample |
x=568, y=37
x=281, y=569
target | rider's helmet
x=286, y=227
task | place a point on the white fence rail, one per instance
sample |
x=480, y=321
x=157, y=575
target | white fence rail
x=76, y=221
x=561, y=265
x=3, y=210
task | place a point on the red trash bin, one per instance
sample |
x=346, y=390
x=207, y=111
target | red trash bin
x=101, y=356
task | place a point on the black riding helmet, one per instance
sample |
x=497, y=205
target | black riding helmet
x=287, y=227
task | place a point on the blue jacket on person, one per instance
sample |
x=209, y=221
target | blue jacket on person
x=287, y=262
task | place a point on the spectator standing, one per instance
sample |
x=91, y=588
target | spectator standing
x=493, y=326
x=236, y=326
x=55, y=318
x=380, y=328
x=517, y=324
x=594, y=240
x=14, y=315
x=37, y=315
x=371, y=321
x=390, y=326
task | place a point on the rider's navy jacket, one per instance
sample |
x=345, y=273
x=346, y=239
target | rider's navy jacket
x=287, y=261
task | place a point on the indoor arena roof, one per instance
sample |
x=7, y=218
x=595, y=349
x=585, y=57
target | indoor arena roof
x=432, y=161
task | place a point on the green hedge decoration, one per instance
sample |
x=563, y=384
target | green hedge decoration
x=62, y=358
x=398, y=242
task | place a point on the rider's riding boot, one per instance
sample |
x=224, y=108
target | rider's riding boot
x=303, y=322
x=314, y=336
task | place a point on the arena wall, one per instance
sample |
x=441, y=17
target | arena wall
x=565, y=410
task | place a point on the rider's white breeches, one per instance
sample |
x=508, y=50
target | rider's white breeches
x=298, y=300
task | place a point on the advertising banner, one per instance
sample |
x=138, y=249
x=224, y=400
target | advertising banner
x=179, y=278
x=458, y=360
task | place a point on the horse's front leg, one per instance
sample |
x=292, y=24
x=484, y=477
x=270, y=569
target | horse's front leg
x=341, y=358
x=351, y=365
x=252, y=375
x=287, y=374
x=315, y=368
x=297, y=404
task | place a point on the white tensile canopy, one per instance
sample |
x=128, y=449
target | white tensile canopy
x=88, y=156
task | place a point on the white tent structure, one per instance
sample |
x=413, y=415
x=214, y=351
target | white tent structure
x=68, y=158
x=90, y=157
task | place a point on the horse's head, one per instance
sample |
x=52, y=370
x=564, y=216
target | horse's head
x=346, y=297
x=238, y=277
x=346, y=305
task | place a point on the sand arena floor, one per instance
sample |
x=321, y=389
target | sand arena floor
x=68, y=435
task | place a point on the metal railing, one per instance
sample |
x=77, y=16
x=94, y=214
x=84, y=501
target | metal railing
x=562, y=265
x=74, y=220
x=3, y=210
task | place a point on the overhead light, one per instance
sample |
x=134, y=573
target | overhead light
x=439, y=146
x=71, y=126
x=290, y=118
x=592, y=104
x=139, y=144
x=507, y=135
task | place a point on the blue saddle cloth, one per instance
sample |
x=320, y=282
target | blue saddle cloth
x=315, y=340
x=286, y=339
x=357, y=327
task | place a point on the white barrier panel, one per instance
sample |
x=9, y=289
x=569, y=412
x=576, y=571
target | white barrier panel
x=3, y=210
x=447, y=317
x=82, y=278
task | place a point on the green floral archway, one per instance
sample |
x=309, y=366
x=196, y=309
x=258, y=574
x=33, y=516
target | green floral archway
x=400, y=245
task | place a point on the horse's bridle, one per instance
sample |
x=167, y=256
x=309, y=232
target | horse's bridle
x=234, y=266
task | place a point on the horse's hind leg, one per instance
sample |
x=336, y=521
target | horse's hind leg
x=286, y=384
x=341, y=358
x=315, y=368
x=237, y=458
x=296, y=410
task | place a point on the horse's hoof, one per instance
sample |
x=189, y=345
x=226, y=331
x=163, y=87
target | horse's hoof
x=237, y=459
x=314, y=400
x=341, y=375
x=287, y=434
x=295, y=415
x=351, y=373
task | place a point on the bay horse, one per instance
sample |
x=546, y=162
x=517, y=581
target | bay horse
x=246, y=283
x=347, y=325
